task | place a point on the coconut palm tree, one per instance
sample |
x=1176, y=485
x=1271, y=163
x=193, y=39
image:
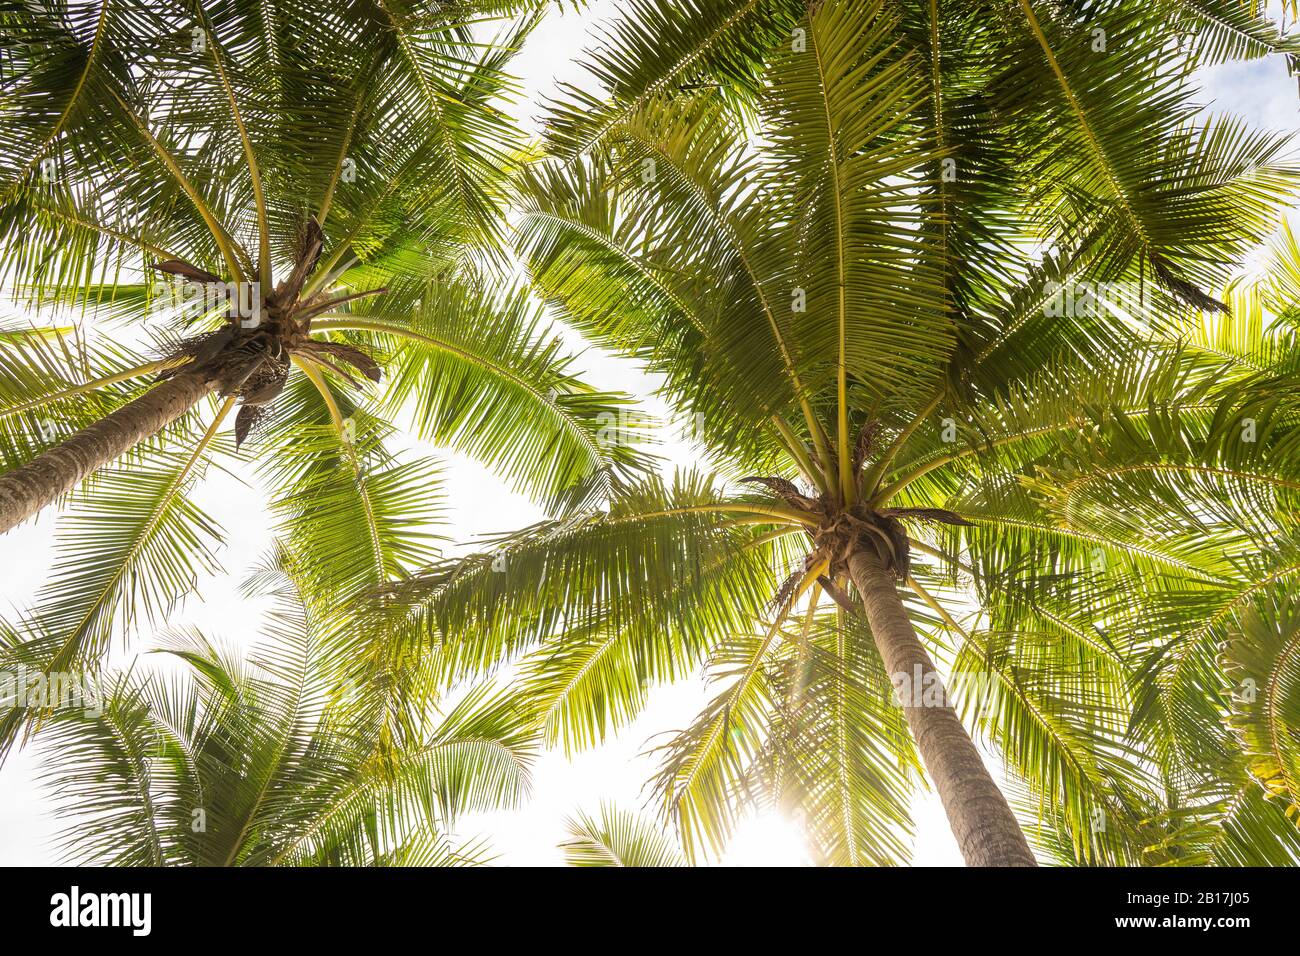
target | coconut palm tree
x=841, y=233
x=297, y=203
x=272, y=758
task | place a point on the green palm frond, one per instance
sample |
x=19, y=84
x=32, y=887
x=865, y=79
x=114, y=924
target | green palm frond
x=54, y=382
x=838, y=754
x=617, y=838
x=1121, y=169
x=132, y=544
x=354, y=510
x=260, y=760
x=664, y=48
x=478, y=374
x=1232, y=823
x=1262, y=660
x=1228, y=30
x=644, y=567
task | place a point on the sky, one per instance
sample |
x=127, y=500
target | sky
x=478, y=504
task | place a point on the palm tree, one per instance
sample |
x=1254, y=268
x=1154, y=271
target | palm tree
x=324, y=181
x=818, y=224
x=274, y=759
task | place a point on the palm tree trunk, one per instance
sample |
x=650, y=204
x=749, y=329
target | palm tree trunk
x=986, y=830
x=55, y=471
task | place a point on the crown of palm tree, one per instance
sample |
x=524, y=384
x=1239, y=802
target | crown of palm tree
x=763, y=211
x=254, y=364
x=346, y=162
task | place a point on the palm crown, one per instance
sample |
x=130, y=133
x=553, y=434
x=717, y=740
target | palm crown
x=346, y=163
x=817, y=224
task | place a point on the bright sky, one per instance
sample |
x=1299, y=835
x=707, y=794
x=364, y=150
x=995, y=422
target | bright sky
x=478, y=504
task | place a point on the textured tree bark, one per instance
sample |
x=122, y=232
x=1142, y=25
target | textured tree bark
x=55, y=471
x=986, y=830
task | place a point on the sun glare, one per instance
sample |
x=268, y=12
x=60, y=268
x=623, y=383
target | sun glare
x=767, y=839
